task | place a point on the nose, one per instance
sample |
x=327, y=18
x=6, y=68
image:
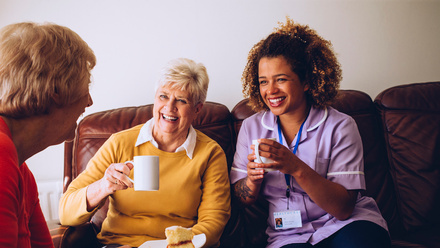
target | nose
x=271, y=88
x=171, y=105
x=90, y=103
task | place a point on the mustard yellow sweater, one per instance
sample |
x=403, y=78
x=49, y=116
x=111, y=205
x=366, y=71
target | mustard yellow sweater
x=192, y=192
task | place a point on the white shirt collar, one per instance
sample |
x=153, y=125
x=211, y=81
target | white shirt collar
x=146, y=135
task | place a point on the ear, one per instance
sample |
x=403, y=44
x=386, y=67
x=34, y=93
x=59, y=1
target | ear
x=306, y=87
x=199, y=107
x=56, y=98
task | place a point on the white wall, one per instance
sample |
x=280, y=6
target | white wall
x=379, y=43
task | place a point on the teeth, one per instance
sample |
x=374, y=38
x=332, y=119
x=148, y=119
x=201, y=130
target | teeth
x=276, y=100
x=170, y=118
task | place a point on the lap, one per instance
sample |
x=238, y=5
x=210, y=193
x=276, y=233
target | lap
x=359, y=234
x=115, y=246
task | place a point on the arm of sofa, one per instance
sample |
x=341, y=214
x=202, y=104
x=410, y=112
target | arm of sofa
x=75, y=236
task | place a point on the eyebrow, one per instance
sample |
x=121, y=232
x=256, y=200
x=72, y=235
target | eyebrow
x=277, y=75
x=178, y=96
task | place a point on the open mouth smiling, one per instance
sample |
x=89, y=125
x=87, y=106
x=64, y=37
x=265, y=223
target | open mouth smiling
x=169, y=118
x=276, y=101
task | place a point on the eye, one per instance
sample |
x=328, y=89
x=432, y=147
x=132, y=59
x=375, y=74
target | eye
x=263, y=82
x=182, y=101
x=163, y=96
x=281, y=80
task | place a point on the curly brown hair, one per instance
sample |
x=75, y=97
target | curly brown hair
x=310, y=56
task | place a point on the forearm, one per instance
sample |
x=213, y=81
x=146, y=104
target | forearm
x=215, y=206
x=95, y=195
x=245, y=191
x=212, y=224
x=331, y=197
x=73, y=209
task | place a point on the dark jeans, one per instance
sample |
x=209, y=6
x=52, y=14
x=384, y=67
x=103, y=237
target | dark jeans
x=358, y=234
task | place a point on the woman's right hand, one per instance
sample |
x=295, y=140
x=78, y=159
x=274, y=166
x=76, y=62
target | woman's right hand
x=255, y=173
x=248, y=188
x=115, y=178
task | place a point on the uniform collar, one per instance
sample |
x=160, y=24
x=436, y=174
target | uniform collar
x=315, y=119
x=146, y=135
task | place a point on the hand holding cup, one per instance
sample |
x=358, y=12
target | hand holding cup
x=260, y=159
x=146, y=173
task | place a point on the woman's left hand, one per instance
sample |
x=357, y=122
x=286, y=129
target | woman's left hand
x=284, y=160
x=330, y=196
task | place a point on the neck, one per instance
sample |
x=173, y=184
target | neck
x=291, y=122
x=27, y=136
x=168, y=142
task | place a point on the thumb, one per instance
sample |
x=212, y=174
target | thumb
x=129, y=164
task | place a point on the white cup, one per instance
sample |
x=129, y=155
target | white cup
x=146, y=173
x=260, y=159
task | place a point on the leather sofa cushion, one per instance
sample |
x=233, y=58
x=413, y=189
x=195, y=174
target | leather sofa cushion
x=411, y=121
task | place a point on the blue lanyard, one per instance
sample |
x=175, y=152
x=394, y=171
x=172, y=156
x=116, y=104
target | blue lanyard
x=280, y=138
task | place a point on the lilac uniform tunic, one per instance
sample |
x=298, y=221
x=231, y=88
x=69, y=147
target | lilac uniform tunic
x=331, y=145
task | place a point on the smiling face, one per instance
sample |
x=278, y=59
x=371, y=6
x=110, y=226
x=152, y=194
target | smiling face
x=173, y=113
x=280, y=88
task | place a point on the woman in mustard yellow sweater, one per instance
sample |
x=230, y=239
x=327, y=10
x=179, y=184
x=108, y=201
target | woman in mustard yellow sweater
x=194, y=186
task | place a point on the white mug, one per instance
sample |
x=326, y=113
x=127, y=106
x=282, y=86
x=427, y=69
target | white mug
x=146, y=173
x=260, y=159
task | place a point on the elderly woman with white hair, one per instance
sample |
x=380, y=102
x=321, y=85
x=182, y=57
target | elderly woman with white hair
x=194, y=186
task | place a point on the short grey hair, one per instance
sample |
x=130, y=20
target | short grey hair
x=186, y=75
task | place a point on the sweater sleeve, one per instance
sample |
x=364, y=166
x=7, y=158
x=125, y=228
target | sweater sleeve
x=73, y=204
x=40, y=236
x=10, y=202
x=214, y=210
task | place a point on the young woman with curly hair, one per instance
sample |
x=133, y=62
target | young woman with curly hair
x=315, y=179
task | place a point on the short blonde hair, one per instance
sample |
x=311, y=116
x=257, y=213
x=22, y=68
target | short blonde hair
x=39, y=61
x=186, y=75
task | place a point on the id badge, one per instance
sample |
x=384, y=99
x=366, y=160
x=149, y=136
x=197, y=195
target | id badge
x=287, y=219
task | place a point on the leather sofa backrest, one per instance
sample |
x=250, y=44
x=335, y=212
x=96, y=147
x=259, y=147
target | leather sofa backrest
x=410, y=116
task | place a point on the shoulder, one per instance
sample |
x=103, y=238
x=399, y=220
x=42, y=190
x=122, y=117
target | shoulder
x=262, y=121
x=255, y=118
x=205, y=139
x=8, y=152
x=11, y=174
x=207, y=145
x=6, y=143
x=127, y=133
x=339, y=119
x=130, y=131
x=341, y=124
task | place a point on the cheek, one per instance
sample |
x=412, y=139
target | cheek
x=189, y=114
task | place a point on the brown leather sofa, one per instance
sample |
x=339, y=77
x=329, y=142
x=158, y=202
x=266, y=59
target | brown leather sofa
x=401, y=137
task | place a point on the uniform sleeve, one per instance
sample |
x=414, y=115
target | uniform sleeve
x=215, y=209
x=239, y=165
x=73, y=205
x=346, y=165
